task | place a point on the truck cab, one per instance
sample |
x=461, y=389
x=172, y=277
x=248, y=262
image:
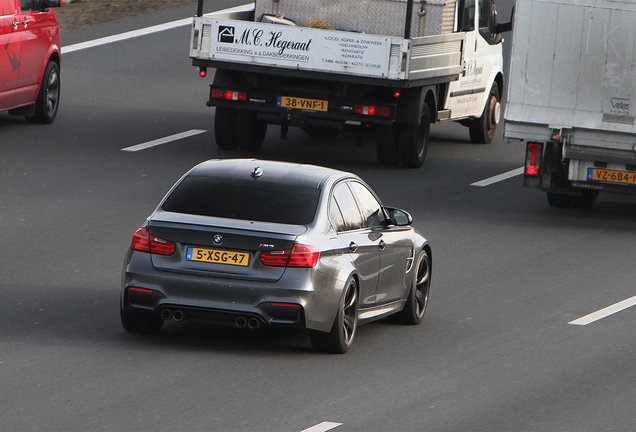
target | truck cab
x=30, y=59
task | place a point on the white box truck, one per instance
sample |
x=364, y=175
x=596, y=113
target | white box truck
x=572, y=86
x=330, y=65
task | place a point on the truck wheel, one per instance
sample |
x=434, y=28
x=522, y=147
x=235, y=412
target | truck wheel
x=249, y=132
x=483, y=129
x=584, y=201
x=559, y=200
x=386, y=146
x=225, y=128
x=48, y=100
x=413, y=141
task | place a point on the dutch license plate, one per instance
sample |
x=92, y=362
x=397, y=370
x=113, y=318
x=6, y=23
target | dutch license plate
x=302, y=103
x=218, y=256
x=611, y=176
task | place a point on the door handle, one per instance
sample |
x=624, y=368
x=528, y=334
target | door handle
x=353, y=247
x=25, y=22
x=15, y=24
x=382, y=244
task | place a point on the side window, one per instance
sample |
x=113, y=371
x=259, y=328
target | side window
x=466, y=15
x=336, y=216
x=29, y=5
x=348, y=207
x=372, y=211
x=487, y=18
x=484, y=14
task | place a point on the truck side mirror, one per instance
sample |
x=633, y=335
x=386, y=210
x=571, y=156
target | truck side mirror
x=505, y=27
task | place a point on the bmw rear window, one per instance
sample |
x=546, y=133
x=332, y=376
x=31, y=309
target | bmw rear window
x=254, y=200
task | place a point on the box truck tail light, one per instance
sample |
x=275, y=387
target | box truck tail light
x=203, y=71
x=532, y=161
x=228, y=95
x=372, y=110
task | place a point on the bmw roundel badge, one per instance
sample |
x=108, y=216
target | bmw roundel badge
x=218, y=239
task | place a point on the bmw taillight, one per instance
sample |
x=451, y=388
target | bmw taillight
x=142, y=241
x=298, y=256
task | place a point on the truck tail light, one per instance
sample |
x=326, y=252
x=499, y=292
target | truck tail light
x=533, y=161
x=372, y=110
x=203, y=71
x=228, y=95
x=142, y=241
x=298, y=256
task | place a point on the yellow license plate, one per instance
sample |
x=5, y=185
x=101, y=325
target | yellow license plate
x=302, y=103
x=611, y=176
x=218, y=256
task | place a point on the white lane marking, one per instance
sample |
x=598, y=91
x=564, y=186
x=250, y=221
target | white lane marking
x=165, y=140
x=322, y=427
x=142, y=32
x=605, y=312
x=498, y=178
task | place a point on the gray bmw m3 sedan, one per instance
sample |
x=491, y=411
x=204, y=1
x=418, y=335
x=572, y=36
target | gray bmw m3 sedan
x=251, y=243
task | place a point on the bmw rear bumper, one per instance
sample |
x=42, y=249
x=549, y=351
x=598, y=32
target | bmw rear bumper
x=301, y=298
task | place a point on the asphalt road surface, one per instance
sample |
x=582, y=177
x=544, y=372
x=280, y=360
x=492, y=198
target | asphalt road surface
x=495, y=351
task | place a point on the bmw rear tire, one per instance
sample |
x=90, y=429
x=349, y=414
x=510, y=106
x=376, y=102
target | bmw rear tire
x=140, y=322
x=343, y=331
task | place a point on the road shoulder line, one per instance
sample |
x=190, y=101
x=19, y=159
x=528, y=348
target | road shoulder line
x=141, y=32
x=605, y=312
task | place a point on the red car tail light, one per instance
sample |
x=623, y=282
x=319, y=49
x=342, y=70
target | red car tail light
x=532, y=163
x=142, y=241
x=298, y=256
x=228, y=95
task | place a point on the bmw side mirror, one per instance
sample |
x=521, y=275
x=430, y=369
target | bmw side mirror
x=399, y=217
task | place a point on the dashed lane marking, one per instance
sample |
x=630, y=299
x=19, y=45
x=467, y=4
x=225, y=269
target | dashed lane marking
x=605, y=312
x=165, y=140
x=322, y=427
x=498, y=178
x=144, y=31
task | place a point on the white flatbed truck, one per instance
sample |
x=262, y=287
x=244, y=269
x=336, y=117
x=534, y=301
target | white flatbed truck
x=571, y=95
x=273, y=69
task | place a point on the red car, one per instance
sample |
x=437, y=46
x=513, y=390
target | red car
x=30, y=59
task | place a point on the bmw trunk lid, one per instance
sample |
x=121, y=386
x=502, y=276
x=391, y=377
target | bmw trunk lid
x=220, y=247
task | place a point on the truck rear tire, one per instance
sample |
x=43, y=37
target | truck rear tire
x=225, y=128
x=483, y=129
x=559, y=200
x=386, y=145
x=413, y=141
x=250, y=133
x=584, y=201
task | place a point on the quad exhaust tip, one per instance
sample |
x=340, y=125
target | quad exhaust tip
x=178, y=315
x=166, y=314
